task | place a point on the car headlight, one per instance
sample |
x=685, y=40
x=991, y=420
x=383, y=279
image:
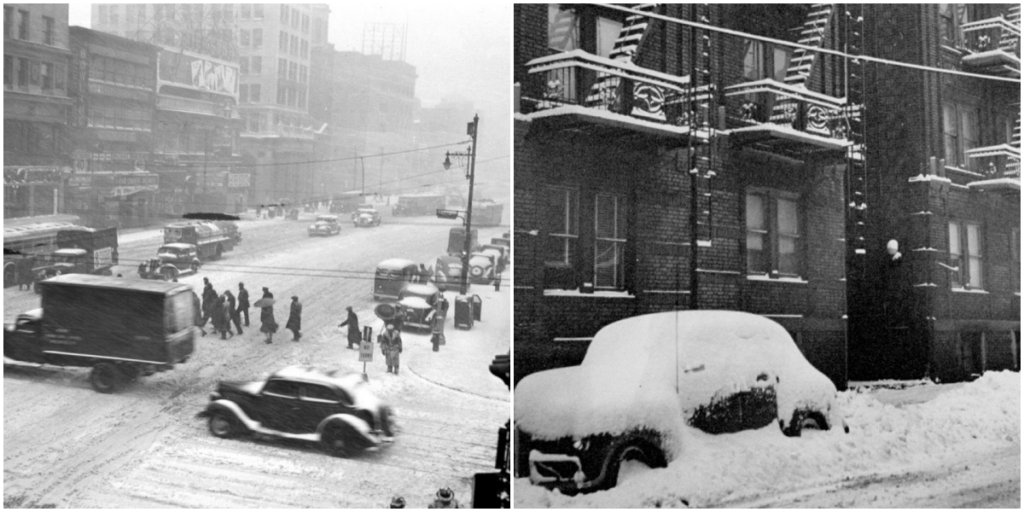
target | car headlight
x=581, y=444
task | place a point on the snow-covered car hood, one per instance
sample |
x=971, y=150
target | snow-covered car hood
x=628, y=378
x=479, y=261
x=414, y=303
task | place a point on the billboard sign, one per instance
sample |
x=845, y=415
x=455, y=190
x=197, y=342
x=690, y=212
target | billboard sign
x=198, y=72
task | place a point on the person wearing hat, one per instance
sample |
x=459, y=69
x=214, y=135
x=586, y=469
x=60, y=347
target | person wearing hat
x=391, y=347
x=269, y=324
x=354, y=337
x=294, y=323
x=445, y=498
x=243, y=303
x=397, y=502
x=209, y=298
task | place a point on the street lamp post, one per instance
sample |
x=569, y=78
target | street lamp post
x=471, y=130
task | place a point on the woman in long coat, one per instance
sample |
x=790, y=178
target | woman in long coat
x=295, y=319
x=217, y=316
x=269, y=324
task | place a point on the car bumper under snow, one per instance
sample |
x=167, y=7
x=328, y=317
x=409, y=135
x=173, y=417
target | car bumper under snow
x=558, y=471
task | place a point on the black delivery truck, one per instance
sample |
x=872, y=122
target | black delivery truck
x=120, y=328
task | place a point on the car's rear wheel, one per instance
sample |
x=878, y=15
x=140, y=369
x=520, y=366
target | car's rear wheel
x=223, y=425
x=194, y=267
x=105, y=378
x=338, y=440
x=387, y=421
x=805, y=420
x=631, y=458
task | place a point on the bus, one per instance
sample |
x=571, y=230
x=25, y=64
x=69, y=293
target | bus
x=36, y=236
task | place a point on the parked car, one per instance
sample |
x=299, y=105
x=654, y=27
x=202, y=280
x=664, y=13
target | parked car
x=483, y=267
x=333, y=408
x=418, y=301
x=448, y=269
x=393, y=276
x=325, y=225
x=719, y=371
x=366, y=217
x=501, y=252
x=172, y=261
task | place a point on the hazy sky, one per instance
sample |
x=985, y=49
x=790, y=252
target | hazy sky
x=459, y=49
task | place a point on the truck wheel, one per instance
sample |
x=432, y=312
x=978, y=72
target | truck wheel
x=105, y=378
x=223, y=425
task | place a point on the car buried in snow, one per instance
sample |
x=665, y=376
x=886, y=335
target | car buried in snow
x=418, y=301
x=645, y=379
x=304, y=403
x=325, y=225
x=482, y=267
x=366, y=217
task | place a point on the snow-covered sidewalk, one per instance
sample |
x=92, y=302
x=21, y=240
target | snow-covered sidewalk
x=914, y=435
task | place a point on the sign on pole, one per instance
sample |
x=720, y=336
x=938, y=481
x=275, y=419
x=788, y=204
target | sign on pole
x=366, y=351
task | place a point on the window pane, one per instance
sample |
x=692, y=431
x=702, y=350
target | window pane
x=609, y=264
x=789, y=256
x=974, y=240
x=607, y=33
x=789, y=219
x=755, y=212
x=954, y=238
x=753, y=61
x=605, y=226
x=976, y=273
x=563, y=28
x=780, y=59
x=755, y=254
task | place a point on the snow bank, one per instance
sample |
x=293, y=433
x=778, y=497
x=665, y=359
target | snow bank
x=629, y=376
x=955, y=422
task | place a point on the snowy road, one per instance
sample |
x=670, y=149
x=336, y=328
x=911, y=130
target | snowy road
x=954, y=445
x=66, y=445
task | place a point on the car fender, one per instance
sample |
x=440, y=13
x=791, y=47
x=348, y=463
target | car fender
x=231, y=408
x=357, y=424
x=168, y=266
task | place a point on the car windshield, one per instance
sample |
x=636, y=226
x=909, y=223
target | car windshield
x=64, y=258
x=169, y=250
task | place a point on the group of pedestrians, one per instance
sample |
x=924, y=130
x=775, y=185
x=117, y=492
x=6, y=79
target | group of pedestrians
x=225, y=310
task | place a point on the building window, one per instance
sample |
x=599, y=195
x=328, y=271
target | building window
x=291, y=96
x=283, y=42
x=302, y=99
x=243, y=65
x=254, y=93
x=257, y=38
x=610, y=213
x=562, y=215
x=305, y=23
x=243, y=93
x=256, y=65
x=295, y=18
x=302, y=74
x=951, y=18
x=281, y=99
x=295, y=46
x=959, y=134
x=257, y=11
x=22, y=72
x=284, y=14
x=8, y=20
x=773, y=234
x=46, y=72
x=48, y=30
x=8, y=70
x=563, y=28
x=282, y=69
x=243, y=38
x=762, y=61
x=305, y=48
x=293, y=72
x=246, y=11
x=23, y=26
x=965, y=255
x=1015, y=259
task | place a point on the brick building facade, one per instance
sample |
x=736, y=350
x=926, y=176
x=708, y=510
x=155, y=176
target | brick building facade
x=662, y=167
x=943, y=180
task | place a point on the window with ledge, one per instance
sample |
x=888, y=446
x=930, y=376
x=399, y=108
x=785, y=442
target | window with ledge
x=965, y=255
x=562, y=215
x=23, y=25
x=48, y=30
x=774, y=231
x=959, y=134
x=610, y=214
x=564, y=32
x=951, y=18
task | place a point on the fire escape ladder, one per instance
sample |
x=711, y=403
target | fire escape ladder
x=626, y=48
x=812, y=33
x=1015, y=136
x=1008, y=41
x=856, y=156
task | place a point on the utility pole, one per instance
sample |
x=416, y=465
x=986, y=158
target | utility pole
x=472, y=129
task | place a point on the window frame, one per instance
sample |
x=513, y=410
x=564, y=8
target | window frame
x=48, y=30
x=571, y=219
x=957, y=143
x=771, y=259
x=620, y=240
x=573, y=39
x=24, y=25
x=962, y=277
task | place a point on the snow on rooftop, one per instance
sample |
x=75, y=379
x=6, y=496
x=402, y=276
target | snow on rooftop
x=924, y=430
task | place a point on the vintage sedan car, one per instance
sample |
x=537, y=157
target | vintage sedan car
x=483, y=267
x=644, y=377
x=366, y=217
x=332, y=408
x=172, y=261
x=418, y=301
x=447, y=270
x=325, y=225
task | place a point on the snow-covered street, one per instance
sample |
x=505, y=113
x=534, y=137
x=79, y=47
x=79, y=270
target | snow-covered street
x=66, y=445
x=950, y=445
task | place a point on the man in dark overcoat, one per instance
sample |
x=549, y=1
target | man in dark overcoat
x=233, y=311
x=209, y=298
x=391, y=347
x=268, y=323
x=354, y=336
x=294, y=323
x=243, y=303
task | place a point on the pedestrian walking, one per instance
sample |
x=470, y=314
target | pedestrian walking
x=294, y=323
x=25, y=274
x=391, y=347
x=243, y=303
x=436, y=321
x=354, y=336
x=233, y=311
x=197, y=314
x=209, y=298
x=399, y=319
x=268, y=323
x=217, y=317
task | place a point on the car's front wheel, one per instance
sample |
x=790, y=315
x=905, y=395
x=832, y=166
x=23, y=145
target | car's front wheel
x=338, y=440
x=631, y=457
x=805, y=420
x=223, y=425
x=105, y=378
